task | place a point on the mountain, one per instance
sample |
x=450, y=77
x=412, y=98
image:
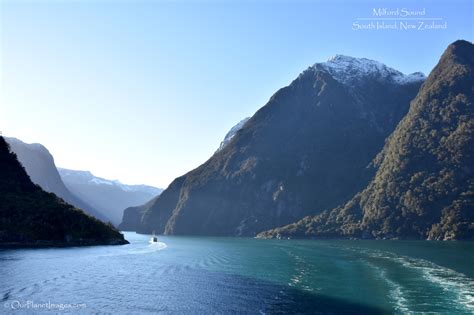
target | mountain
x=29, y=216
x=232, y=133
x=111, y=196
x=132, y=216
x=308, y=149
x=40, y=166
x=424, y=185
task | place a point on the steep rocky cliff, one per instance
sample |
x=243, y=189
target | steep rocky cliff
x=424, y=185
x=308, y=149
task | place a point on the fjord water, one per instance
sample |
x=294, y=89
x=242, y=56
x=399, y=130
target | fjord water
x=208, y=275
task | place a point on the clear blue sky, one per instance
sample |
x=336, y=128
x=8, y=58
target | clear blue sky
x=144, y=91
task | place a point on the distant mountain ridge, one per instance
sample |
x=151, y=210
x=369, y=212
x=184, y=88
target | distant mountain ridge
x=424, y=184
x=31, y=217
x=111, y=196
x=306, y=150
x=88, y=177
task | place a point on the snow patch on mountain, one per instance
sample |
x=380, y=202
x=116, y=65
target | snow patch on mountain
x=86, y=177
x=349, y=70
x=232, y=132
x=101, y=181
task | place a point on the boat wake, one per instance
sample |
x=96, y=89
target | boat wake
x=301, y=272
x=460, y=286
x=151, y=248
x=397, y=296
x=129, y=250
x=157, y=245
x=447, y=279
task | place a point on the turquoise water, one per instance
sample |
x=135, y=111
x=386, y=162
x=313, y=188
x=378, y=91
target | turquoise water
x=222, y=275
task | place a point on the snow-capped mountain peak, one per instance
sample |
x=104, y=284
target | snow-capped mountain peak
x=86, y=177
x=347, y=70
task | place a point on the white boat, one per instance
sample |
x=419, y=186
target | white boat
x=153, y=239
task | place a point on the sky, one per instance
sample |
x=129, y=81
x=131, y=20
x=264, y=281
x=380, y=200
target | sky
x=144, y=91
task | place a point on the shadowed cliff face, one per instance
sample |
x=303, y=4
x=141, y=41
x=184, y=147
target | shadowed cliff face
x=101, y=198
x=29, y=216
x=40, y=166
x=424, y=185
x=306, y=150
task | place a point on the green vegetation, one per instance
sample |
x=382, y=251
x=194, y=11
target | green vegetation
x=424, y=184
x=30, y=216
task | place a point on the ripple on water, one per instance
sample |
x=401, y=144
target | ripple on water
x=233, y=275
x=6, y=296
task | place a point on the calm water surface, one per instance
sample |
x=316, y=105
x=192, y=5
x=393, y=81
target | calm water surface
x=215, y=275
